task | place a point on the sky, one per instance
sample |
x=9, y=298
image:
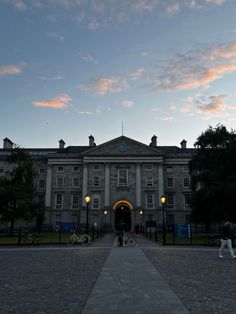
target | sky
x=74, y=68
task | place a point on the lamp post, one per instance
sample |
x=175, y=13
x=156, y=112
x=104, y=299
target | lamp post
x=141, y=220
x=87, y=199
x=105, y=215
x=163, y=200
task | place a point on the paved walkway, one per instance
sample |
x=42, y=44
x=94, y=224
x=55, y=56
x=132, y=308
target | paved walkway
x=129, y=283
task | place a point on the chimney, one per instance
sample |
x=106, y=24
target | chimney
x=153, y=141
x=61, y=144
x=183, y=144
x=7, y=143
x=91, y=141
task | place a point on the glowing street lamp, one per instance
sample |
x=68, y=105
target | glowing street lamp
x=87, y=199
x=105, y=214
x=141, y=219
x=163, y=200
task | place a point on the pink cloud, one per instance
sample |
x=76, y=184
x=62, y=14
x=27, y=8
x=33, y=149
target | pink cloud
x=208, y=76
x=10, y=70
x=195, y=69
x=214, y=105
x=104, y=85
x=61, y=102
x=217, y=2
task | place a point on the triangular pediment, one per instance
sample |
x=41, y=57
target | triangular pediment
x=122, y=146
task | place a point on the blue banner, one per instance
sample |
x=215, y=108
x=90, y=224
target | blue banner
x=182, y=230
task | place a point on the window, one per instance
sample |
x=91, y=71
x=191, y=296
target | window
x=169, y=169
x=96, y=167
x=148, y=167
x=170, y=182
x=60, y=169
x=60, y=182
x=58, y=220
x=42, y=170
x=1, y=170
x=96, y=201
x=75, y=182
x=96, y=181
x=59, y=200
x=186, y=183
x=41, y=184
x=185, y=168
x=41, y=199
x=170, y=219
x=76, y=169
x=150, y=217
x=149, y=200
x=75, y=200
x=122, y=177
x=187, y=200
x=170, y=201
x=149, y=181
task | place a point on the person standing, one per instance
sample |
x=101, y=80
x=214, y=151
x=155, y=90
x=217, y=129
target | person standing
x=226, y=239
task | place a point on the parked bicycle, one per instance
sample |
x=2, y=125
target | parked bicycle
x=31, y=238
x=82, y=239
x=128, y=240
x=124, y=238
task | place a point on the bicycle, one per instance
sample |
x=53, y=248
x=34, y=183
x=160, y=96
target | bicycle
x=82, y=239
x=32, y=238
x=129, y=241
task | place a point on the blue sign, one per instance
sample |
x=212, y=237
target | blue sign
x=182, y=230
x=67, y=226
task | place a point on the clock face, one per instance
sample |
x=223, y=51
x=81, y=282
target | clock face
x=123, y=147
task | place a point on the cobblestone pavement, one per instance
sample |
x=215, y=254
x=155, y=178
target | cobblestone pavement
x=203, y=282
x=45, y=280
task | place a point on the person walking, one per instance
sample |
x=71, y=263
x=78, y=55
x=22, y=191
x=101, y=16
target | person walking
x=226, y=239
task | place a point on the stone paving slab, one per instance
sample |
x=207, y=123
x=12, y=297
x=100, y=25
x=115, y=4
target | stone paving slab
x=129, y=283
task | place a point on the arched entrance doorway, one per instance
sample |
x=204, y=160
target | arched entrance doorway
x=122, y=220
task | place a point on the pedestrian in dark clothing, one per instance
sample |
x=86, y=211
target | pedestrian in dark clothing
x=226, y=239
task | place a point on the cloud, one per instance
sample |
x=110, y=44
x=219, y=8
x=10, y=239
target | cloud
x=104, y=85
x=166, y=119
x=213, y=105
x=52, y=78
x=195, y=69
x=10, y=70
x=97, y=14
x=61, y=102
x=217, y=2
x=137, y=74
x=85, y=112
x=127, y=104
x=19, y=4
x=173, y=8
x=55, y=35
x=87, y=57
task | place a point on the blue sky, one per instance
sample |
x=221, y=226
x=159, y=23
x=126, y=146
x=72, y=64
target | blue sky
x=71, y=68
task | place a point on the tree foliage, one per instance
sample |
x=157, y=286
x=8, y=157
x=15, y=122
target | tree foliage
x=17, y=189
x=213, y=172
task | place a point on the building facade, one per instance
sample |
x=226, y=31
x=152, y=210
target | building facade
x=125, y=179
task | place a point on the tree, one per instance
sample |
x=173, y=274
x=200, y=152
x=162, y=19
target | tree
x=17, y=189
x=213, y=172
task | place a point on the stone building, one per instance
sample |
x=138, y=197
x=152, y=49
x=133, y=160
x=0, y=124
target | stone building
x=125, y=179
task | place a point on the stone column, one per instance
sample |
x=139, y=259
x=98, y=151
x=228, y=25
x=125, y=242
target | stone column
x=160, y=182
x=138, y=185
x=48, y=187
x=107, y=185
x=85, y=184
